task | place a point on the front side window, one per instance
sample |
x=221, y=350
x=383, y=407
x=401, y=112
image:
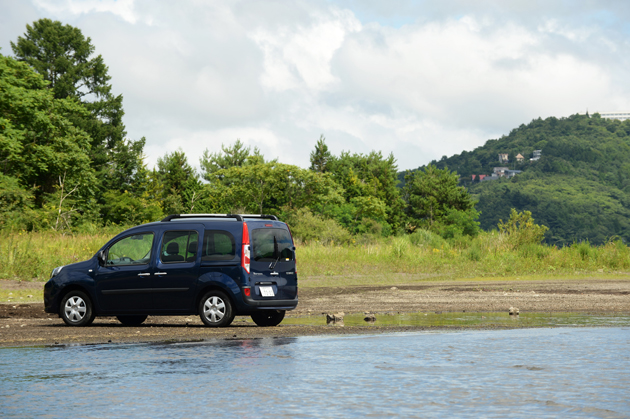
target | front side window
x=217, y=245
x=272, y=244
x=131, y=250
x=179, y=246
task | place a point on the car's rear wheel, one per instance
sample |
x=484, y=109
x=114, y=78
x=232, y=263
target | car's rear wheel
x=267, y=318
x=76, y=309
x=132, y=320
x=215, y=309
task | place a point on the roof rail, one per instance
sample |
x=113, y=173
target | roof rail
x=262, y=216
x=176, y=216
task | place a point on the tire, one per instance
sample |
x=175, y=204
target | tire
x=132, y=320
x=215, y=309
x=76, y=309
x=266, y=318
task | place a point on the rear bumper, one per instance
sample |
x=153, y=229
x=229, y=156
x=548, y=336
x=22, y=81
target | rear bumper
x=271, y=304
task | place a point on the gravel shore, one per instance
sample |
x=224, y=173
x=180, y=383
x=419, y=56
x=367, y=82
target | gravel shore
x=26, y=324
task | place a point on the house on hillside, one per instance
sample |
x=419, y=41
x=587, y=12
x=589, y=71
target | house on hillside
x=511, y=173
x=537, y=154
x=519, y=157
x=500, y=171
x=493, y=176
x=503, y=158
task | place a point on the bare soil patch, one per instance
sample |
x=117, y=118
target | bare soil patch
x=27, y=323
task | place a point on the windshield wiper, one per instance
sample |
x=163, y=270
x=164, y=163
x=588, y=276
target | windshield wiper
x=276, y=254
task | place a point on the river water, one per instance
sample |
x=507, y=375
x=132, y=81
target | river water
x=539, y=372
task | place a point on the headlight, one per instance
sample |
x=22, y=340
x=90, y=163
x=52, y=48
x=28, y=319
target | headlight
x=56, y=271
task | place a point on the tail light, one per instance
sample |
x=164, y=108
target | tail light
x=246, y=254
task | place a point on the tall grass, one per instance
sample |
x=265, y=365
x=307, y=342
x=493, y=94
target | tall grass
x=488, y=255
x=32, y=256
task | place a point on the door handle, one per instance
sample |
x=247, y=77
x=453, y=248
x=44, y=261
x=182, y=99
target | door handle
x=160, y=273
x=144, y=274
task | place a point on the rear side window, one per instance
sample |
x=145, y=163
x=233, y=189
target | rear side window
x=218, y=245
x=179, y=246
x=272, y=244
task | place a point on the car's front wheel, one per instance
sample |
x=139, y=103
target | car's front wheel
x=215, y=309
x=267, y=318
x=76, y=309
x=132, y=320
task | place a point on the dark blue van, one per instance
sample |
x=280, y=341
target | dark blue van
x=214, y=265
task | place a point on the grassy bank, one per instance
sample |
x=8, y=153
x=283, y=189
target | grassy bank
x=421, y=256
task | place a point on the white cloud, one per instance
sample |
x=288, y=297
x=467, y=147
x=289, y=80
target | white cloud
x=296, y=54
x=121, y=8
x=420, y=80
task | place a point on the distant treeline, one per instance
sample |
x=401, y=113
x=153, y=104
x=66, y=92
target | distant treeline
x=67, y=165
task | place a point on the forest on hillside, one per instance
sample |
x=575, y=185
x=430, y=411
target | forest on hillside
x=579, y=188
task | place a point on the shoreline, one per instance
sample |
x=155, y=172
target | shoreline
x=24, y=323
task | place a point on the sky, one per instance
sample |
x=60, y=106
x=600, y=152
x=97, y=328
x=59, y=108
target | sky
x=419, y=79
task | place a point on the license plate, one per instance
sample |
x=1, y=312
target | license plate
x=267, y=292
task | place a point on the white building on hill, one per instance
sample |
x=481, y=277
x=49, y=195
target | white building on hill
x=622, y=116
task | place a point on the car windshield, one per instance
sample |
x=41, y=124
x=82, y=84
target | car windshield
x=270, y=244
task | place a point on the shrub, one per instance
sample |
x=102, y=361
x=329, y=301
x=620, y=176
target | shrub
x=583, y=249
x=309, y=227
x=537, y=251
x=521, y=230
x=426, y=238
x=400, y=245
x=474, y=253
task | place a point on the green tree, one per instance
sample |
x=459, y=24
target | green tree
x=431, y=193
x=125, y=208
x=363, y=176
x=320, y=157
x=15, y=201
x=179, y=182
x=521, y=229
x=236, y=155
x=271, y=187
x=126, y=171
x=39, y=145
x=64, y=57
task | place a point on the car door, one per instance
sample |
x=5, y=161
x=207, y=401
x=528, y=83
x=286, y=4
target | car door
x=175, y=277
x=123, y=284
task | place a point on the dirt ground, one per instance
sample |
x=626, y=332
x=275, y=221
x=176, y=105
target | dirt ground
x=25, y=324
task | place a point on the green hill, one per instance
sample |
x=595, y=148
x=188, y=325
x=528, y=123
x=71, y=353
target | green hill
x=579, y=188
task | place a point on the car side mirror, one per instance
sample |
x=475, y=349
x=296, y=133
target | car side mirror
x=101, y=258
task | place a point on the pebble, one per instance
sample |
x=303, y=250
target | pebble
x=393, y=288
